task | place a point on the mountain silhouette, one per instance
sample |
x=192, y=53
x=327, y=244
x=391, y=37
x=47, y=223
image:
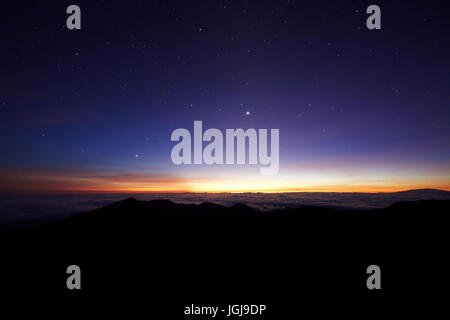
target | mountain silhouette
x=26, y=211
x=167, y=215
x=169, y=251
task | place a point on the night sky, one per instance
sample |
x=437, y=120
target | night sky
x=93, y=109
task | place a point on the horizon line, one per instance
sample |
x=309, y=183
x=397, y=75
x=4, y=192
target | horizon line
x=203, y=192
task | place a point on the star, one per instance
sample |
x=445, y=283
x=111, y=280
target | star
x=247, y=113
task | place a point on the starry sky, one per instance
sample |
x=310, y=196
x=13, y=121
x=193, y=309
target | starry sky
x=93, y=109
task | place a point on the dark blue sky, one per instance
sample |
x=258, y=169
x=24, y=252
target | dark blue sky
x=357, y=109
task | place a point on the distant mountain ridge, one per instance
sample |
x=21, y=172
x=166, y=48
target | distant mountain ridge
x=132, y=213
x=429, y=191
x=24, y=210
x=208, y=247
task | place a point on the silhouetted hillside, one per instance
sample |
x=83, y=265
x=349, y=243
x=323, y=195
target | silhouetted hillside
x=131, y=214
x=187, y=253
x=28, y=210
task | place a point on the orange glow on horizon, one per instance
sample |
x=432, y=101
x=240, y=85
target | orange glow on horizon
x=223, y=182
x=217, y=188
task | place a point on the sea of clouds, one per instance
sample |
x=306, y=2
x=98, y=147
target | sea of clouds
x=30, y=209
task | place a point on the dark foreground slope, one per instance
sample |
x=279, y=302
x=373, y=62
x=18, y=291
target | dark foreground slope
x=164, y=256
